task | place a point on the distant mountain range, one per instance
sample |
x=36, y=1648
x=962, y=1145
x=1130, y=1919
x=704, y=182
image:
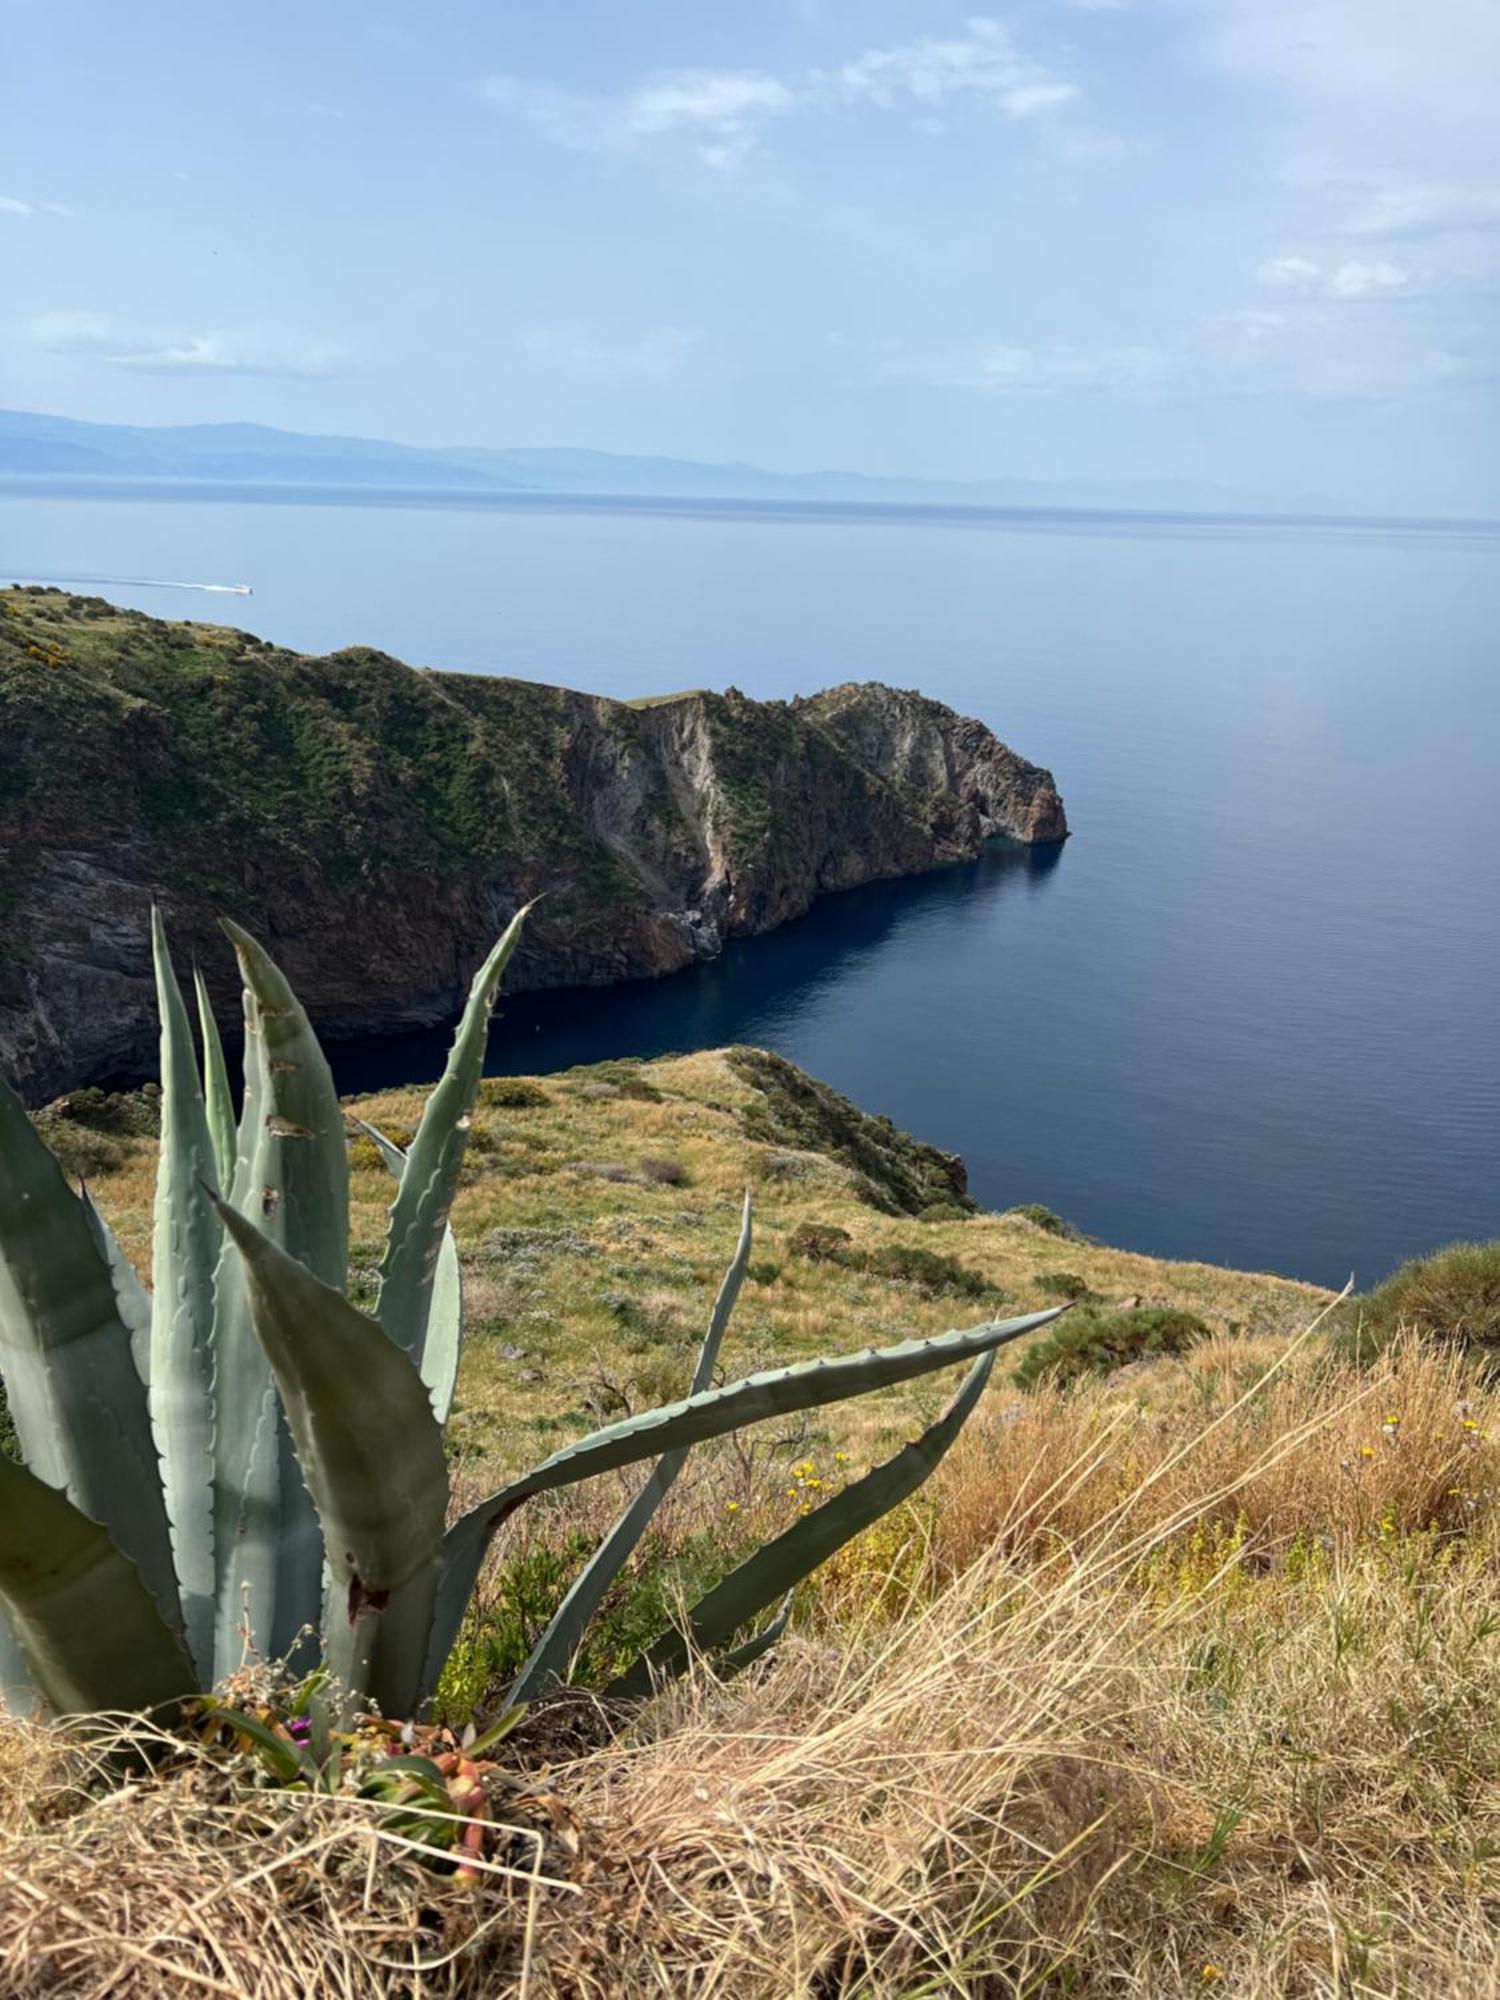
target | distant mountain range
x=35, y=446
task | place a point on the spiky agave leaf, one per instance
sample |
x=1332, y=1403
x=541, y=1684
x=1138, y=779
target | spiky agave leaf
x=247, y=1464
x=186, y=1245
x=780, y=1566
x=84, y=1619
x=774, y=1392
x=297, y=1186
x=553, y=1652
x=419, y=1214
x=75, y=1392
x=445, y=1319
x=372, y=1456
x=218, y=1099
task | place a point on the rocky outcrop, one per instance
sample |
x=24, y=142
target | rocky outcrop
x=377, y=824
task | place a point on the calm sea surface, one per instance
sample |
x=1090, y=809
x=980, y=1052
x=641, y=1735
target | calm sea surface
x=1251, y=1011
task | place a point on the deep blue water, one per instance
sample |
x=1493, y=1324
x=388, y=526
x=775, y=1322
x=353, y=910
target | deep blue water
x=1251, y=1011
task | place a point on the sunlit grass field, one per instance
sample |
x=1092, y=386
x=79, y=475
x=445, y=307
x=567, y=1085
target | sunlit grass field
x=1182, y=1679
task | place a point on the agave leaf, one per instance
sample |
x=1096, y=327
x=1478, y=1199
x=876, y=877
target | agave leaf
x=735, y=1662
x=75, y=1393
x=553, y=1652
x=247, y=1462
x=132, y=1300
x=445, y=1321
x=781, y=1565
x=84, y=1618
x=217, y=1096
x=18, y=1694
x=419, y=1213
x=298, y=1188
x=772, y=1393
x=187, y=1242
x=372, y=1456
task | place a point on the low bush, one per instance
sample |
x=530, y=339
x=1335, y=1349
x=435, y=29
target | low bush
x=1451, y=1296
x=1086, y=1344
x=1042, y=1217
x=1064, y=1285
x=512, y=1093
x=943, y=1211
x=819, y=1242
x=663, y=1171
x=905, y=1263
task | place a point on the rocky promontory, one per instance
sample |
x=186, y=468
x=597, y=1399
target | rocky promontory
x=377, y=824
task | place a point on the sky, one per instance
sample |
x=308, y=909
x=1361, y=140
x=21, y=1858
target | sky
x=1252, y=242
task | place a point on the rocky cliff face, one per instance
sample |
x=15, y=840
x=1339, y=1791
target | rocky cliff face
x=376, y=824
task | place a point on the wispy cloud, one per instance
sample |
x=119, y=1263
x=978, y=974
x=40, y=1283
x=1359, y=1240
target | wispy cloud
x=983, y=64
x=11, y=204
x=1002, y=368
x=1354, y=280
x=721, y=112
x=1311, y=352
x=654, y=354
x=722, y=116
x=214, y=351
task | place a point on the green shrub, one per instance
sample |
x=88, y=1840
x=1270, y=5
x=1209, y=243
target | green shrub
x=819, y=1242
x=1087, y=1344
x=928, y=1268
x=1453, y=1296
x=763, y=1270
x=943, y=1211
x=1043, y=1218
x=1064, y=1285
x=90, y=1130
x=512, y=1093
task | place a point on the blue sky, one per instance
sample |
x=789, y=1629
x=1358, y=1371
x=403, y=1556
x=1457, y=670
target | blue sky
x=1250, y=241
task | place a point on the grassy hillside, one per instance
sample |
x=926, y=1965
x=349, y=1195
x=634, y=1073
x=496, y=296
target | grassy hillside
x=600, y=1208
x=1184, y=1678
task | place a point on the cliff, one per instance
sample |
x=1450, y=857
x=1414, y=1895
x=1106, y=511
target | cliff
x=377, y=824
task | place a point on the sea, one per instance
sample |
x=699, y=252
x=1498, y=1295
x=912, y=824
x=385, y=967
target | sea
x=1249, y=1013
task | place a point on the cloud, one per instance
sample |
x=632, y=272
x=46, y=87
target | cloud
x=654, y=355
x=721, y=111
x=1001, y=368
x=984, y=64
x=215, y=351
x=1317, y=351
x=1352, y=280
x=11, y=204
x=722, y=115
x=1419, y=208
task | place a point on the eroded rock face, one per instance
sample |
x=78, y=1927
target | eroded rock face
x=378, y=824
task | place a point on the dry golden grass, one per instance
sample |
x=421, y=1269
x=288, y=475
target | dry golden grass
x=1143, y=1699
x=604, y=1285
x=1187, y=1681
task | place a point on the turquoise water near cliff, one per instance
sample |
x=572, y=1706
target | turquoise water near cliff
x=1250, y=1012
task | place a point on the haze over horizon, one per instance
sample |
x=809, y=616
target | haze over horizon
x=1244, y=243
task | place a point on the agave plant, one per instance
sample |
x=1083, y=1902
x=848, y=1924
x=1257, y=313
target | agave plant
x=240, y=1464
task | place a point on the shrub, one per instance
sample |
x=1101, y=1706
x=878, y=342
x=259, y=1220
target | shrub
x=819, y=1242
x=763, y=1271
x=90, y=1130
x=512, y=1093
x=928, y=1268
x=943, y=1211
x=1087, y=1344
x=664, y=1172
x=1064, y=1285
x=1042, y=1217
x=1451, y=1296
